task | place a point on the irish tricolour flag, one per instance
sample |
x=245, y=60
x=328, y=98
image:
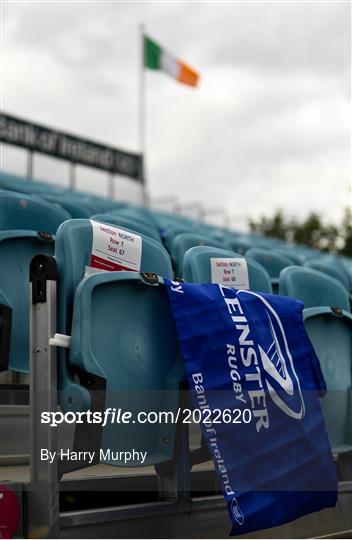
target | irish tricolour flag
x=155, y=57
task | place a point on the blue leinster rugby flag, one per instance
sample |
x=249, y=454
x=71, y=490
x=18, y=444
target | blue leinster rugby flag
x=248, y=351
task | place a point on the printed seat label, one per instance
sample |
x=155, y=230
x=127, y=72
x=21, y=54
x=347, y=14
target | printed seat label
x=115, y=249
x=230, y=272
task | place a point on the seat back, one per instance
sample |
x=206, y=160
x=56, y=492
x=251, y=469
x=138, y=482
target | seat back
x=329, y=267
x=289, y=254
x=272, y=263
x=313, y=288
x=74, y=208
x=197, y=267
x=136, y=213
x=239, y=245
x=183, y=242
x=123, y=333
x=329, y=326
x=346, y=262
x=26, y=185
x=171, y=232
x=23, y=212
x=332, y=341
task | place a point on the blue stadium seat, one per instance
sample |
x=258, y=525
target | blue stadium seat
x=289, y=254
x=272, y=263
x=239, y=245
x=123, y=342
x=131, y=223
x=347, y=264
x=27, y=227
x=183, y=242
x=305, y=253
x=329, y=325
x=77, y=209
x=123, y=334
x=73, y=249
x=23, y=212
x=197, y=268
x=137, y=213
x=219, y=234
x=170, y=233
x=330, y=267
x=26, y=185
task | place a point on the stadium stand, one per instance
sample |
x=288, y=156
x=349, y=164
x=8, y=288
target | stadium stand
x=139, y=366
x=329, y=325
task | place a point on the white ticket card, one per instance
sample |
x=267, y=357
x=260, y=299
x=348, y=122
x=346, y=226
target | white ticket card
x=115, y=249
x=230, y=272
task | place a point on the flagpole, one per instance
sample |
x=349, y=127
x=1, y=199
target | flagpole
x=141, y=107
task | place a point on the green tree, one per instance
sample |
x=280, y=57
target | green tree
x=314, y=233
x=311, y=232
x=275, y=227
x=346, y=233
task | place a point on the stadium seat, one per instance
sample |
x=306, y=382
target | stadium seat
x=329, y=325
x=123, y=343
x=347, y=264
x=305, y=253
x=272, y=263
x=77, y=209
x=27, y=185
x=184, y=241
x=219, y=234
x=123, y=333
x=289, y=254
x=330, y=267
x=170, y=233
x=23, y=212
x=86, y=200
x=136, y=213
x=125, y=221
x=197, y=267
x=239, y=245
x=27, y=227
x=73, y=250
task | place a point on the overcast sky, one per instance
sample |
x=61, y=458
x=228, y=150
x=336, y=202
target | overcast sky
x=268, y=127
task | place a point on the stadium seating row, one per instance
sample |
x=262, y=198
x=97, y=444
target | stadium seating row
x=139, y=364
